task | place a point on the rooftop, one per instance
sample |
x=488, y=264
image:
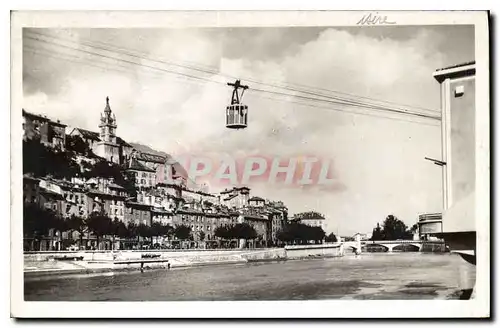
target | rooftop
x=136, y=165
x=87, y=134
x=51, y=193
x=455, y=71
x=150, y=158
x=104, y=194
x=230, y=197
x=42, y=118
x=115, y=186
x=254, y=217
x=136, y=204
x=430, y=216
x=457, y=65
x=28, y=177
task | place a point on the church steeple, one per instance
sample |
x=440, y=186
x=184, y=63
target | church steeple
x=108, y=147
x=107, y=110
x=108, y=125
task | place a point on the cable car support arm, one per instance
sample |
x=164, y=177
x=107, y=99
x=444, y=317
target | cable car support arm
x=236, y=98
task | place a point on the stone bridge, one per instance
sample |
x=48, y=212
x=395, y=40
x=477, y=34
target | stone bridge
x=389, y=245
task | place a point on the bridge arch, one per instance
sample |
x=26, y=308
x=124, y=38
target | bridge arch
x=407, y=247
x=353, y=247
x=376, y=248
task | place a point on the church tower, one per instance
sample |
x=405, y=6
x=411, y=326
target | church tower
x=108, y=147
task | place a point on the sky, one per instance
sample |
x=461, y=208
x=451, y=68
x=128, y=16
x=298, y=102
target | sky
x=377, y=163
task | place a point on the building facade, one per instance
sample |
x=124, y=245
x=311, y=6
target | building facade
x=429, y=225
x=31, y=189
x=144, y=176
x=458, y=125
x=313, y=222
x=137, y=213
x=163, y=195
x=236, y=197
x=51, y=133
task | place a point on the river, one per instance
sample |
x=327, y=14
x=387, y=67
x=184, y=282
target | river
x=369, y=276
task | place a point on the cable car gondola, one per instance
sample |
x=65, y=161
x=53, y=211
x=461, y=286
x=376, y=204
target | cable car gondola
x=237, y=113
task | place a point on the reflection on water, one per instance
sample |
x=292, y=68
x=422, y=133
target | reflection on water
x=369, y=276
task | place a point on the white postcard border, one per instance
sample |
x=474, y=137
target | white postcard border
x=266, y=309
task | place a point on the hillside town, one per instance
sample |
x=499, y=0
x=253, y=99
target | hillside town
x=78, y=174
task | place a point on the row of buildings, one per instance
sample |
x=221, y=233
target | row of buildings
x=161, y=184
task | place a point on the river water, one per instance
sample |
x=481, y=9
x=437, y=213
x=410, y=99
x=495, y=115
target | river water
x=368, y=276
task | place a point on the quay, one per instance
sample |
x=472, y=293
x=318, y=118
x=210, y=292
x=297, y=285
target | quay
x=38, y=263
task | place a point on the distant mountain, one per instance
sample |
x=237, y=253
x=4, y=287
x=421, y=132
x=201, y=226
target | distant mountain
x=179, y=169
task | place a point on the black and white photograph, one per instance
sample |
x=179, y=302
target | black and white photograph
x=244, y=156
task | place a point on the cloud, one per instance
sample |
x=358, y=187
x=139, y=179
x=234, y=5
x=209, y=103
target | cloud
x=378, y=162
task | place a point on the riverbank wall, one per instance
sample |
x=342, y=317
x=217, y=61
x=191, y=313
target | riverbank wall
x=308, y=251
x=52, y=263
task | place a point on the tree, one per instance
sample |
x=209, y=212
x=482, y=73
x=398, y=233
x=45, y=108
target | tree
x=284, y=235
x=182, y=232
x=42, y=161
x=167, y=230
x=132, y=229
x=207, y=204
x=78, y=224
x=76, y=144
x=392, y=229
x=301, y=233
x=144, y=231
x=37, y=221
x=222, y=232
x=100, y=225
x=202, y=235
x=107, y=170
x=331, y=238
x=311, y=215
x=377, y=233
x=60, y=226
x=242, y=231
x=122, y=230
x=118, y=229
x=158, y=229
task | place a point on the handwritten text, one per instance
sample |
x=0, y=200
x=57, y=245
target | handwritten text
x=371, y=19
